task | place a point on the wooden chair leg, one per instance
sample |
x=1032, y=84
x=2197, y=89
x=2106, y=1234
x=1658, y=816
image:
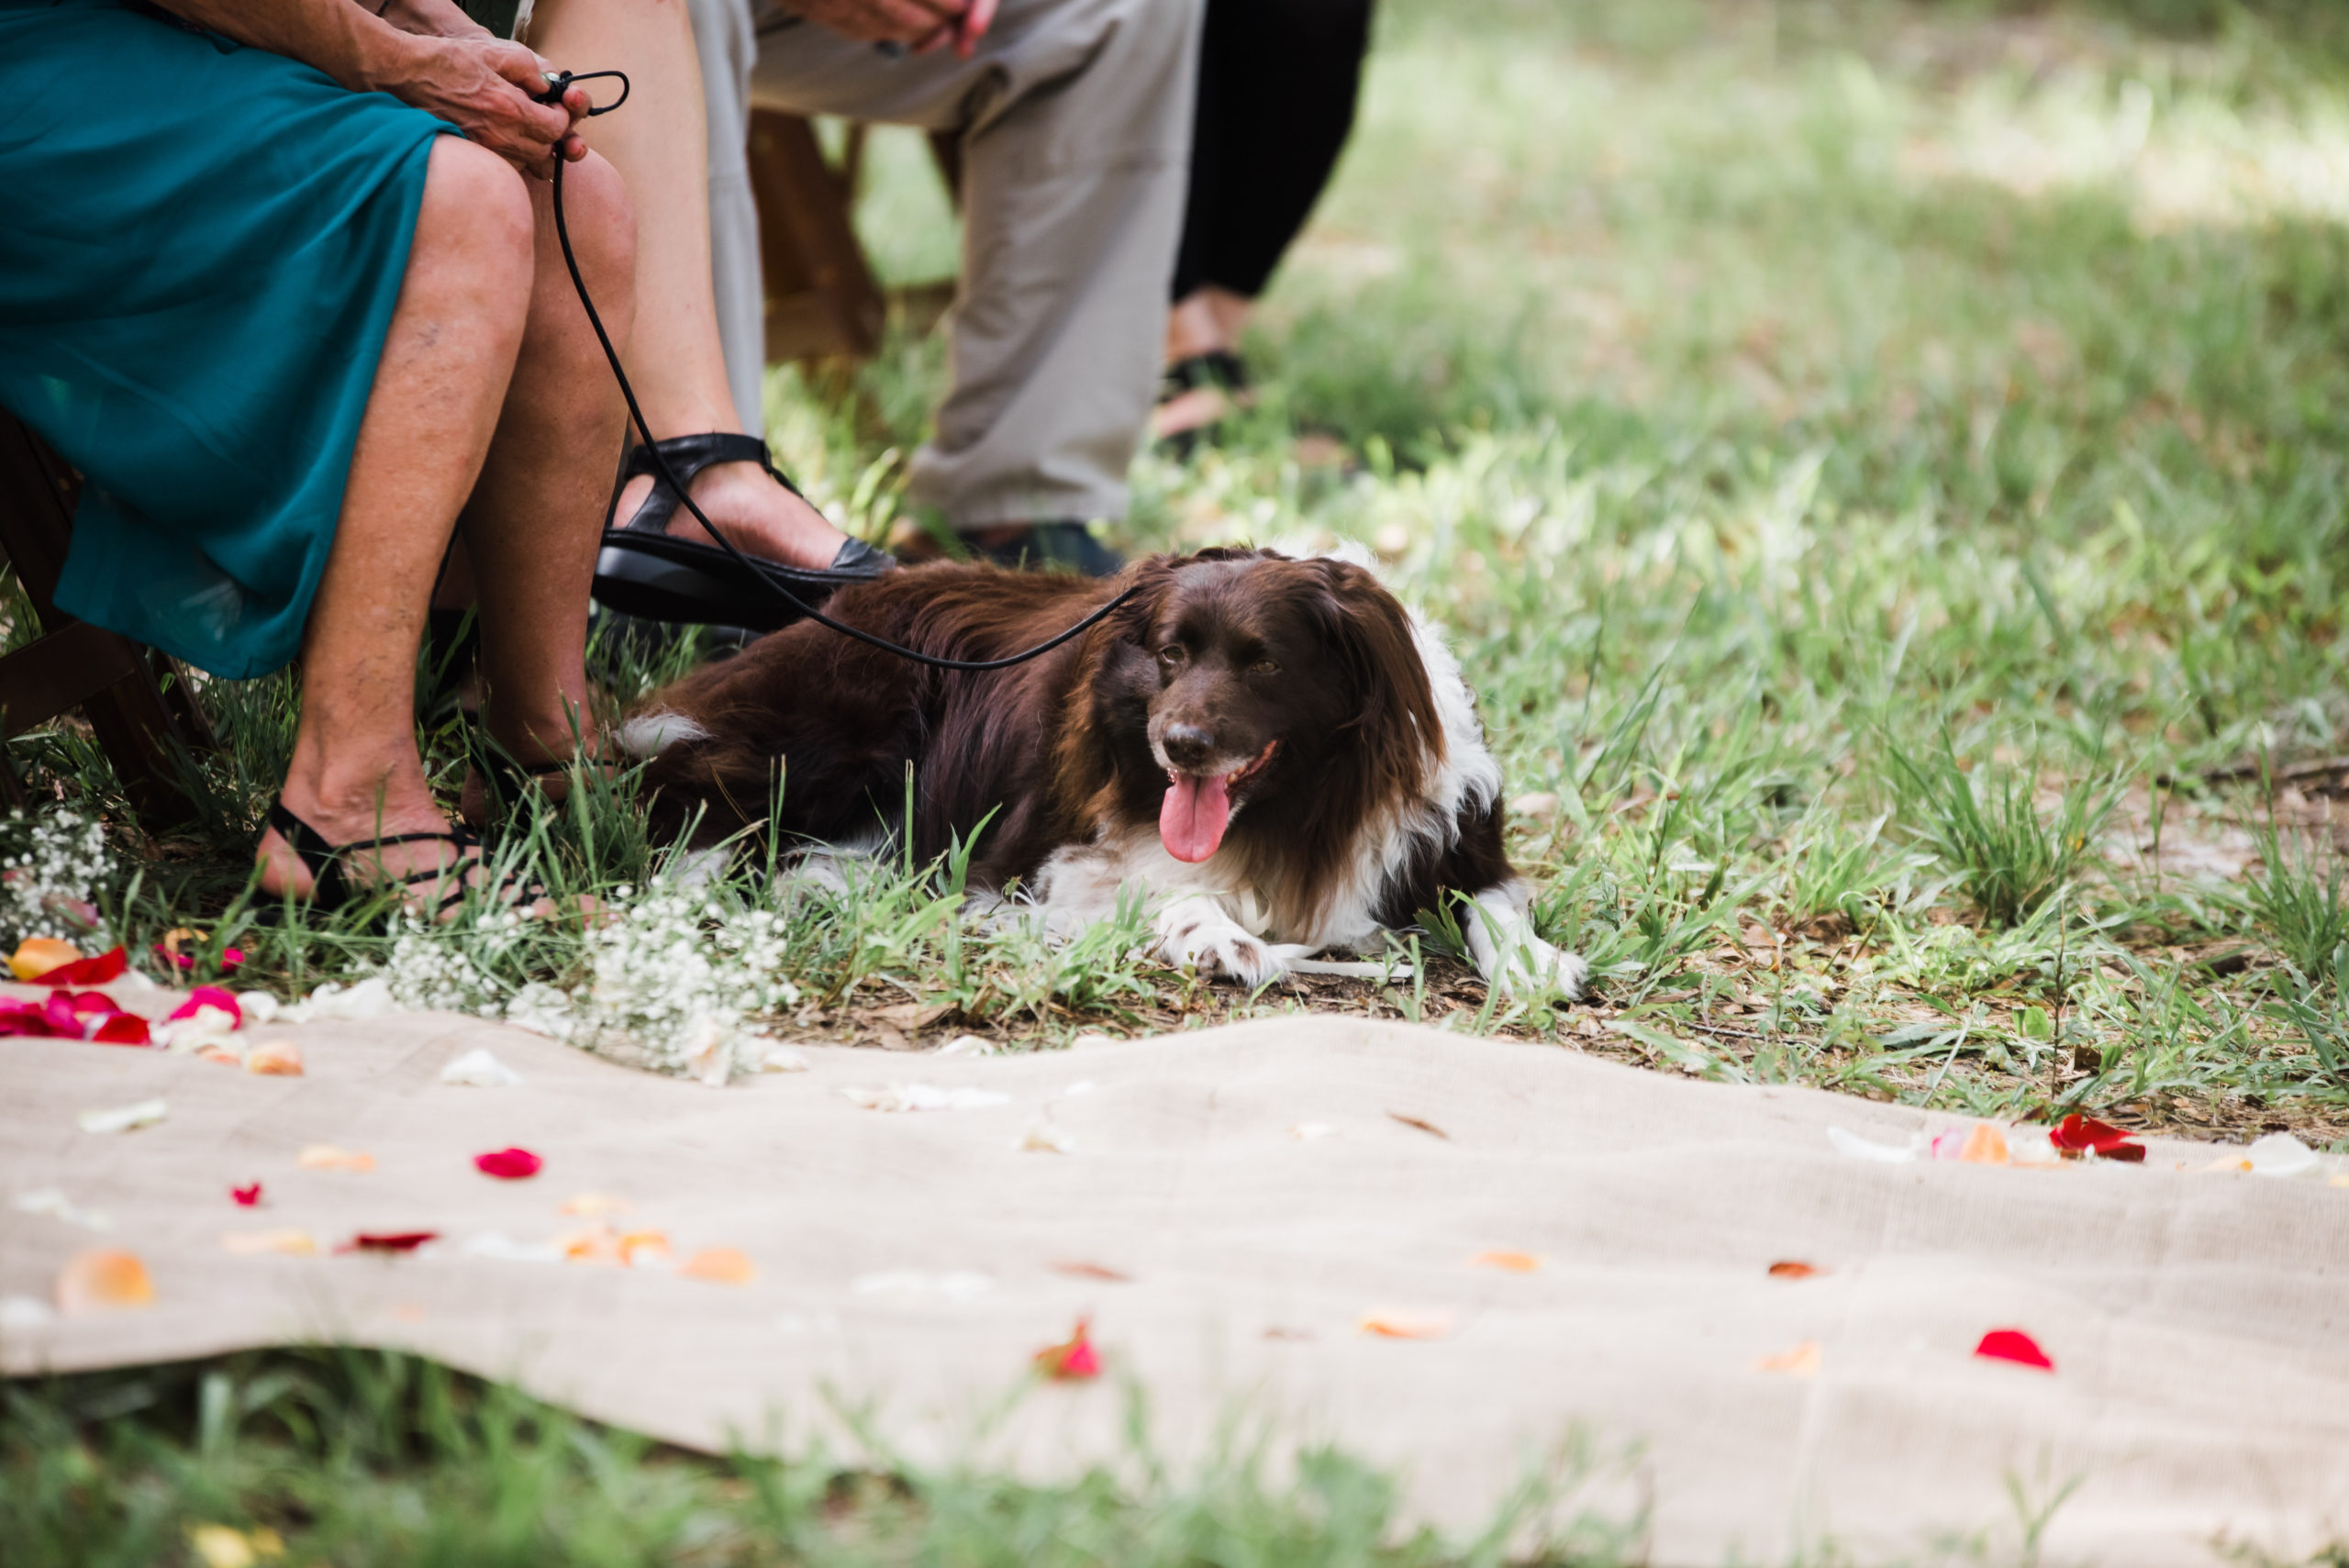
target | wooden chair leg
x=144, y=733
x=822, y=301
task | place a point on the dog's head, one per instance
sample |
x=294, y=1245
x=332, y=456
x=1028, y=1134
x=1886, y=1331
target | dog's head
x=1293, y=687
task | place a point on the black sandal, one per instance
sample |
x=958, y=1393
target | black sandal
x=1218, y=370
x=332, y=888
x=642, y=572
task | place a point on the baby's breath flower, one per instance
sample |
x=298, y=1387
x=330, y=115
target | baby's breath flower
x=668, y=982
x=51, y=870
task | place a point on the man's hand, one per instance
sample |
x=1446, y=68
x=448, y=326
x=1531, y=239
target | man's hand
x=485, y=87
x=917, y=25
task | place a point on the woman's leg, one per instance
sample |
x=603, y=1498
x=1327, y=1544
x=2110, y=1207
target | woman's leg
x=468, y=313
x=531, y=527
x=439, y=387
x=675, y=357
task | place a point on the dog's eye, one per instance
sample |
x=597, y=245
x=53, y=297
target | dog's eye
x=1171, y=654
x=1264, y=667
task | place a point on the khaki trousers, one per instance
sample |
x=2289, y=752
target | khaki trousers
x=1076, y=119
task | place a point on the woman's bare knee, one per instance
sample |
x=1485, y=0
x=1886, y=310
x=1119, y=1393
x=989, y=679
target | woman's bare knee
x=473, y=230
x=602, y=223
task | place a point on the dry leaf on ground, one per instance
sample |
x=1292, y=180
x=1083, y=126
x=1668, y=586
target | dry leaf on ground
x=1801, y=1361
x=1509, y=1263
x=1409, y=1323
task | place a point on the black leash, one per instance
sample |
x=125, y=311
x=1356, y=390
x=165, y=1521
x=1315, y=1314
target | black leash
x=556, y=85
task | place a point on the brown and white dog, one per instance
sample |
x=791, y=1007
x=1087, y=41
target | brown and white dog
x=1272, y=750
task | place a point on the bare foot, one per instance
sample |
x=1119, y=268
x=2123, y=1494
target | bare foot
x=759, y=515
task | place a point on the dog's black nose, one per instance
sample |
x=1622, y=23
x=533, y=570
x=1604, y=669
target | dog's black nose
x=1187, y=745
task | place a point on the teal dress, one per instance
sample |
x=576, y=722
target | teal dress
x=200, y=249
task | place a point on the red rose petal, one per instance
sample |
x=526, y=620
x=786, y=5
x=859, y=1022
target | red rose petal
x=210, y=996
x=388, y=1240
x=2013, y=1345
x=97, y=971
x=1073, y=1360
x=246, y=1197
x=123, y=1028
x=509, y=1164
x=2076, y=1135
x=91, y=1002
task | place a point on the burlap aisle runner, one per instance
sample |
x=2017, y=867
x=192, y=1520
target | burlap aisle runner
x=1260, y=1193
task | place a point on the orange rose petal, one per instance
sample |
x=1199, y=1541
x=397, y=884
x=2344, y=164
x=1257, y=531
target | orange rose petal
x=598, y=1244
x=327, y=1157
x=593, y=1206
x=1792, y=1268
x=1406, y=1323
x=719, y=1265
x=252, y=1243
x=643, y=1246
x=36, y=956
x=221, y=1055
x=106, y=1277
x=1513, y=1263
x=1986, y=1145
x=1801, y=1362
x=278, y=1059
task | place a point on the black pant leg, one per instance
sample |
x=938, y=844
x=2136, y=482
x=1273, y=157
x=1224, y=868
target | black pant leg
x=1278, y=81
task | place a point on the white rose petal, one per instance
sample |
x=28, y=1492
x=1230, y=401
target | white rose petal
x=477, y=1069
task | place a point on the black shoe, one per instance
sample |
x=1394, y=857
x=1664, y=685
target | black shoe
x=1052, y=546
x=642, y=572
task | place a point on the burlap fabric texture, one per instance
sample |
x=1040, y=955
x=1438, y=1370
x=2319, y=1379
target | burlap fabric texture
x=1260, y=1194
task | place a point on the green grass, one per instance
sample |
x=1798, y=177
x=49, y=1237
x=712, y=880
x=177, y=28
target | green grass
x=356, y=1458
x=1885, y=470
x=1883, y=467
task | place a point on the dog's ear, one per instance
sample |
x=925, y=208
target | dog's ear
x=1371, y=633
x=1153, y=578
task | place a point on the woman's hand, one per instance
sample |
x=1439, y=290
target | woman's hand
x=487, y=87
x=432, y=18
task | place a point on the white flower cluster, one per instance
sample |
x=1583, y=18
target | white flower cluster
x=53, y=868
x=671, y=982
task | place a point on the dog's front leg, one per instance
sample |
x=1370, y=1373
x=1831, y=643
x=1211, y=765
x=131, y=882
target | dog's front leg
x=1195, y=933
x=1509, y=954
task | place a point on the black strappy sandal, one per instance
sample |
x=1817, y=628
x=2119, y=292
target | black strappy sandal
x=642, y=572
x=1218, y=370
x=331, y=887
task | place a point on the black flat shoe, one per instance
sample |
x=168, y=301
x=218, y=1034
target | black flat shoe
x=642, y=572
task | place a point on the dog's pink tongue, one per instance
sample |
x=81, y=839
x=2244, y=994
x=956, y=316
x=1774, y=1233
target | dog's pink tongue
x=1191, y=818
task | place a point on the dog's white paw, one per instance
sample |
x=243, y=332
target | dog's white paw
x=1509, y=955
x=1536, y=966
x=1196, y=934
